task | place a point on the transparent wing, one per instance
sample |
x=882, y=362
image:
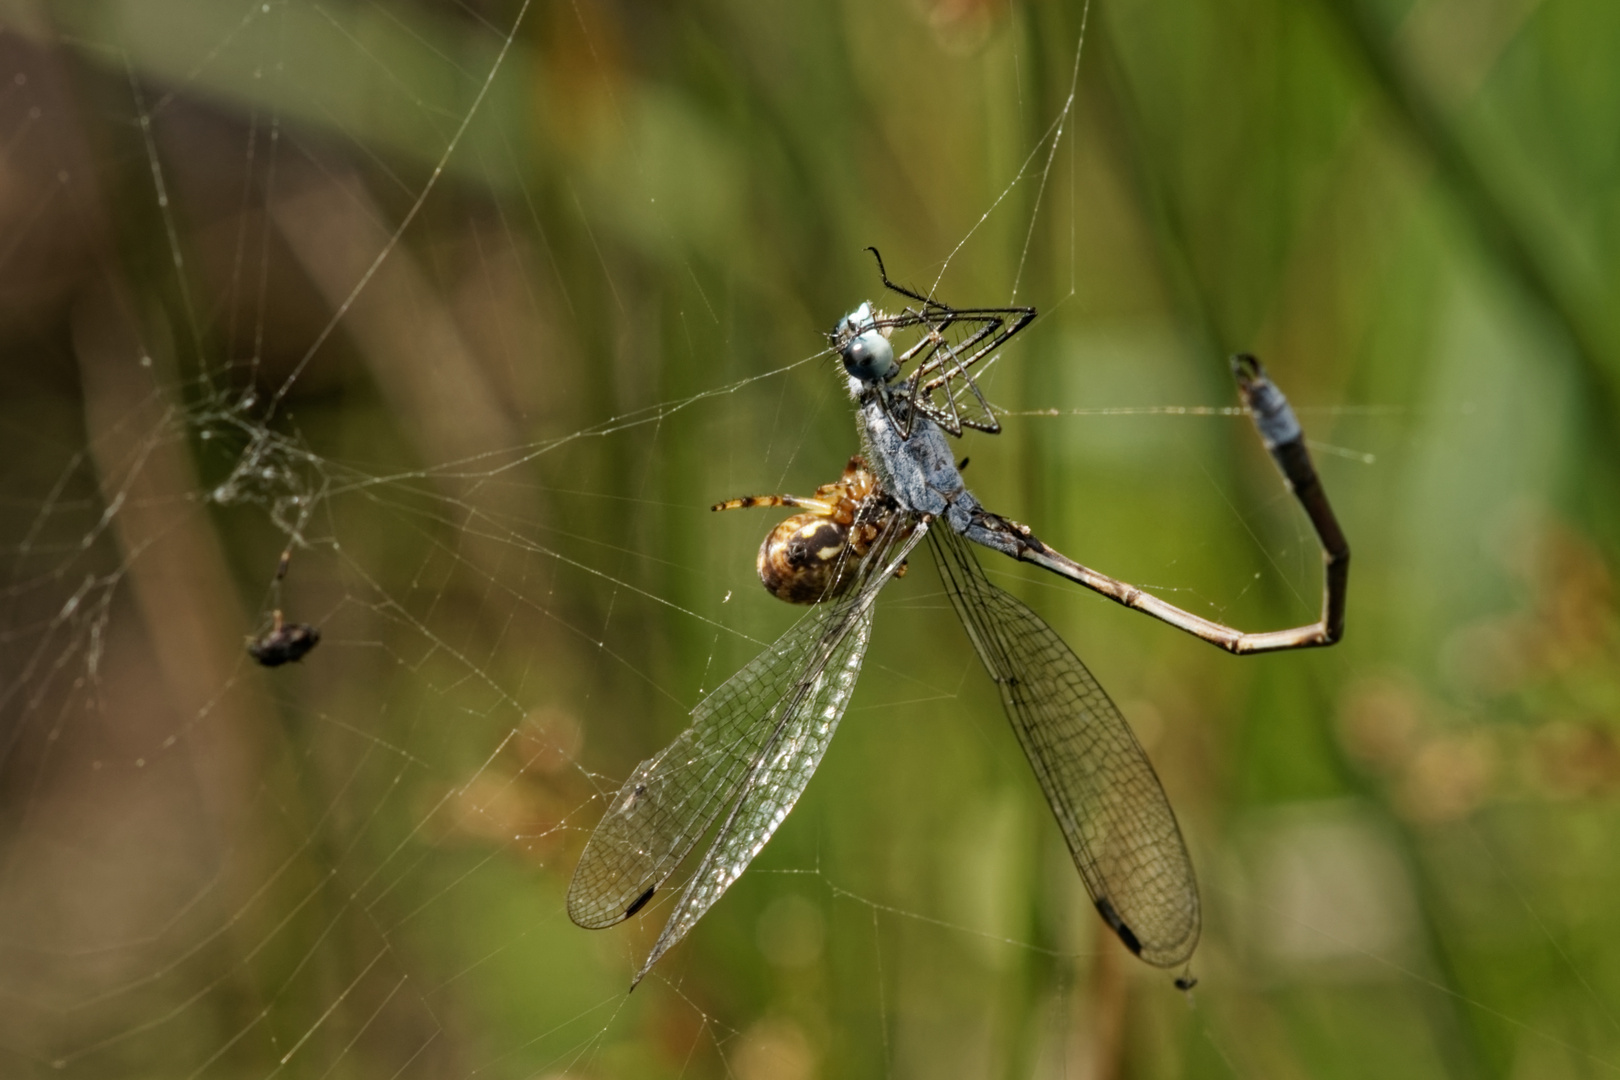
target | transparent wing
x=1104, y=792
x=808, y=718
x=753, y=745
x=672, y=798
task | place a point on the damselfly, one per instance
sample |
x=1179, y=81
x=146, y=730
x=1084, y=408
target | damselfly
x=755, y=741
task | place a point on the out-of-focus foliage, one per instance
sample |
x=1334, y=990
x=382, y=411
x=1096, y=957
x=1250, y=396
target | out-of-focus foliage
x=478, y=306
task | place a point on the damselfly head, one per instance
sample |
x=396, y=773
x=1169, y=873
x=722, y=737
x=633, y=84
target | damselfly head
x=868, y=356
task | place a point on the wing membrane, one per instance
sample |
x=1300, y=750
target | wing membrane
x=753, y=745
x=673, y=797
x=1102, y=789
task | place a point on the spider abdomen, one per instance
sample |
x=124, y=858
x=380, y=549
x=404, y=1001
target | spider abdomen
x=807, y=559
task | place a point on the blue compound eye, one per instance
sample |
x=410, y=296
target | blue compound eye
x=867, y=354
x=870, y=358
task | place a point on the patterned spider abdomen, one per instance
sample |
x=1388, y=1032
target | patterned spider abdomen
x=806, y=559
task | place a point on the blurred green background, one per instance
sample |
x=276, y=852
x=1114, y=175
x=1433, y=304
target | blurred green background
x=479, y=305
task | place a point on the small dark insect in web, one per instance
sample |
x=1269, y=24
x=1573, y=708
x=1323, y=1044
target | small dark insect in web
x=1185, y=983
x=285, y=642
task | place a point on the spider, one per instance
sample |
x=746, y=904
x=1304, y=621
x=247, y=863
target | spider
x=811, y=557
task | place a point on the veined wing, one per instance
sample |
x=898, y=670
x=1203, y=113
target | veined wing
x=752, y=745
x=673, y=797
x=806, y=720
x=1097, y=779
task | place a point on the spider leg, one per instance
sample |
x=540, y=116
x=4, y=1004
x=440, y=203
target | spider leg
x=748, y=502
x=1285, y=440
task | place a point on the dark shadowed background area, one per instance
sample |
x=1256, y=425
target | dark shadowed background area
x=476, y=306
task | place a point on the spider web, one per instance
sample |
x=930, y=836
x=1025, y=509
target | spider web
x=447, y=304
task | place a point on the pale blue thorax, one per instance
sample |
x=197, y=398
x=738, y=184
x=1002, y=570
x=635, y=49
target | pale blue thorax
x=918, y=471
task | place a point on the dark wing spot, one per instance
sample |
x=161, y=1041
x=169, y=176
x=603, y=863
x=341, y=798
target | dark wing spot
x=1117, y=924
x=640, y=901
